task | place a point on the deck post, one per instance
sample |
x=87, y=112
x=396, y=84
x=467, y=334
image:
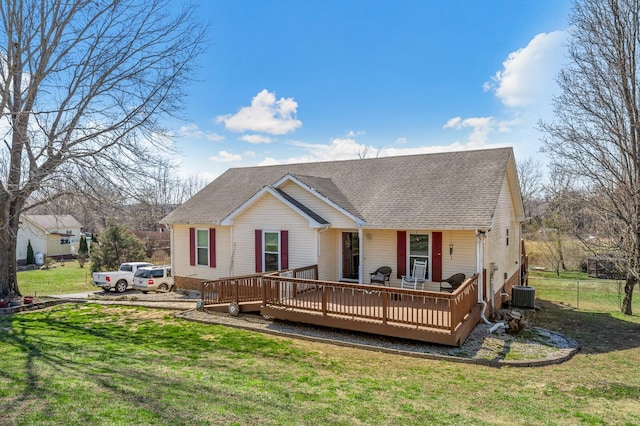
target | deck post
x=385, y=307
x=452, y=315
x=234, y=285
x=324, y=300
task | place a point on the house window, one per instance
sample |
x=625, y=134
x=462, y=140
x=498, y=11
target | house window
x=418, y=250
x=202, y=247
x=271, y=251
x=507, y=236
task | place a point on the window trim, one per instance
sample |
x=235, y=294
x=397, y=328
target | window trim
x=265, y=252
x=428, y=257
x=198, y=247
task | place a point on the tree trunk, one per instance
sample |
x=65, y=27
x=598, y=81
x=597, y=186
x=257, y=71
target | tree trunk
x=8, y=240
x=628, y=295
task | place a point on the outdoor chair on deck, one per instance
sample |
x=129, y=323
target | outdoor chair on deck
x=417, y=275
x=381, y=276
x=454, y=281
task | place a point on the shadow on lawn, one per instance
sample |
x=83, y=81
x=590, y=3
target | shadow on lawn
x=596, y=332
x=48, y=359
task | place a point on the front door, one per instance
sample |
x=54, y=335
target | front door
x=350, y=256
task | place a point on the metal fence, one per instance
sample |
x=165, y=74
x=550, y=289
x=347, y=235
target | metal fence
x=590, y=294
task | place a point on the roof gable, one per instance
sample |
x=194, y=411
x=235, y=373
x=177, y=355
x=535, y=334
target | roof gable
x=325, y=190
x=453, y=190
x=315, y=220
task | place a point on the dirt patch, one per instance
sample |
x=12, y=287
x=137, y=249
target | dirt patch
x=156, y=315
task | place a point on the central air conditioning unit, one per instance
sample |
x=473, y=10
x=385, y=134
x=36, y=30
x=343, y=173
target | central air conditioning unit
x=523, y=296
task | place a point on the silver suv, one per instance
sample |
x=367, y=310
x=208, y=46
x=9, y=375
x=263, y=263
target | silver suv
x=153, y=278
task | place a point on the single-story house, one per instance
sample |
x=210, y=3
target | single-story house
x=51, y=235
x=461, y=212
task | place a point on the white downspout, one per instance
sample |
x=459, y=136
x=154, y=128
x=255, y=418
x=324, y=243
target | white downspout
x=172, y=248
x=480, y=235
x=479, y=267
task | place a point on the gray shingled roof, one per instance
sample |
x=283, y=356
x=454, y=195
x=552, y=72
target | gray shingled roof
x=453, y=190
x=52, y=221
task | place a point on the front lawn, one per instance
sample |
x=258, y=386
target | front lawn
x=62, y=277
x=91, y=364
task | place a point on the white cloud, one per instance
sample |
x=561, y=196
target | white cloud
x=528, y=74
x=355, y=133
x=255, y=138
x=480, y=128
x=265, y=115
x=193, y=131
x=347, y=148
x=225, y=157
x=344, y=148
x=401, y=141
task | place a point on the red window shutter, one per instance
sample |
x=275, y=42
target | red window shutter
x=192, y=246
x=402, y=254
x=284, y=249
x=212, y=248
x=258, y=250
x=436, y=255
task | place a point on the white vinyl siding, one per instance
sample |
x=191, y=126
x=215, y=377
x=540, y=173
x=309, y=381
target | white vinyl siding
x=269, y=213
x=380, y=249
x=505, y=257
x=180, y=252
x=463, y=258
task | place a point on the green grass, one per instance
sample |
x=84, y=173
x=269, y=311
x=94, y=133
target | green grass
x=91, y=364
x=62, y=278
x=577, y=290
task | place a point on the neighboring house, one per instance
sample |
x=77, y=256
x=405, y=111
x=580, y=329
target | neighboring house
x=51, y=235
x=459, y=211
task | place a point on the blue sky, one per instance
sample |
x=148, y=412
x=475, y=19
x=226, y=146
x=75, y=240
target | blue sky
x=296, y=81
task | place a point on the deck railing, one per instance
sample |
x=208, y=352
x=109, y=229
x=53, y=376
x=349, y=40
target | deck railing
x=248, y=288
x=298, y=289
x=385, y=305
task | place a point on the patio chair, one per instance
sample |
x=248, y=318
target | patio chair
x=380, y=276
x=417, y=275
x=453, y=282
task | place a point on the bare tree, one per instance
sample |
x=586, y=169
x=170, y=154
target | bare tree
x=595, y=135
x=83, y=84
x=530, y=176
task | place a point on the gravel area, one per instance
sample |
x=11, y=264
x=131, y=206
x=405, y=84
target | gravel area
x=534, y=346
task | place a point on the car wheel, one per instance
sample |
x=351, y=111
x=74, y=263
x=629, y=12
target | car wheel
x=121, y=286
x=163, y=287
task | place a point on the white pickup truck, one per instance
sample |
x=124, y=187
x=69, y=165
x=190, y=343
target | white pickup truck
x=119, y=280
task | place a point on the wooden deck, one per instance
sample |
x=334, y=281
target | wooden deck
x=430, y=316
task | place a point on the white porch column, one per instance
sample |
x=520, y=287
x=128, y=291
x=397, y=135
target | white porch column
x=360, y=256
x=480, y=235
